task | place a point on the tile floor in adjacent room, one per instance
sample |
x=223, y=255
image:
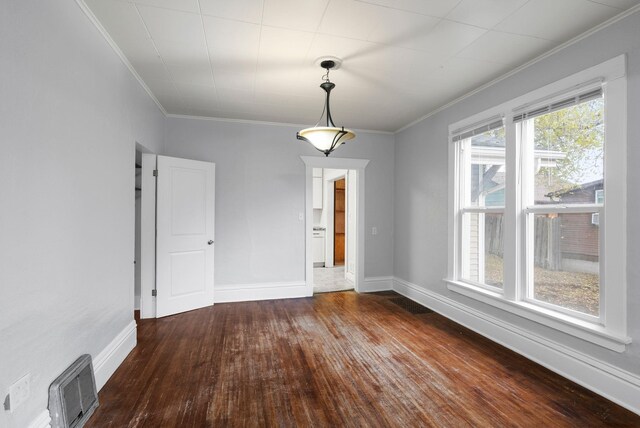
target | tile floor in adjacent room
x=328, y=279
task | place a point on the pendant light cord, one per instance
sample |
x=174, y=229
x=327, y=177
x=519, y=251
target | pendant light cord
x=326, y=75
x=325, y=78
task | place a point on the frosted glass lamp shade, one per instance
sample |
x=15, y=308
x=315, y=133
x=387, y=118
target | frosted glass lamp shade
x=326, y=138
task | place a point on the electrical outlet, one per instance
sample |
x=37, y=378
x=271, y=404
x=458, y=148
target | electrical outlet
x=19, y=392
x=374, y=230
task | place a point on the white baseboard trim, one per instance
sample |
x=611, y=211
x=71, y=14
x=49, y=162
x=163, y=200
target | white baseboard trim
x=259, y=291
x=107, y=361
x=377, y=283
x=617, y=385
x=42, y=421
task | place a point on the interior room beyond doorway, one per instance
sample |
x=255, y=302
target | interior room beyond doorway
x=334, y=226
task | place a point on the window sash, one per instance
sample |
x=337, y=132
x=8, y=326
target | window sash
x=462, y=146
x=486, y=210
x=527, y=210
x=567, y=209
x=527, y=284
x=488, y=287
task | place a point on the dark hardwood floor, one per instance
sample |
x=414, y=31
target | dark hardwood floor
x=334, y=360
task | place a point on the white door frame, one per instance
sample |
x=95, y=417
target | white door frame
x=359, y=166
x=148, y=237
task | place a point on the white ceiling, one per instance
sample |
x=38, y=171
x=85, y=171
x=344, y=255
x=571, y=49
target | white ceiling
x=255, y=59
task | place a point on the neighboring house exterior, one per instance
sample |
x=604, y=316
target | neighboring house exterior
x=580, y=232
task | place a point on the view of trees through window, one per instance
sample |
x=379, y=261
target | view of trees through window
x=568, y=167
x=569, y=150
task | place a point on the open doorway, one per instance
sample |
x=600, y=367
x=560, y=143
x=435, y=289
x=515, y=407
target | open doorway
x=355, y=189
x=144, y=233
x=334, y=229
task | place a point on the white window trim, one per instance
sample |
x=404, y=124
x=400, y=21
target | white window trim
x=610, y=331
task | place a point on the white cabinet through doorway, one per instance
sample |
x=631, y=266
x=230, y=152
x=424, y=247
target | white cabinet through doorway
x=318, y=248
x=317, y=188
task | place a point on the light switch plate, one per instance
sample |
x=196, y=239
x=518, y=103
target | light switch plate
x=19, y=392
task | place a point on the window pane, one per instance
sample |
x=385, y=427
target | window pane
x=566, y=261
x=568, y=154
x=482, y=248
x=485, y=169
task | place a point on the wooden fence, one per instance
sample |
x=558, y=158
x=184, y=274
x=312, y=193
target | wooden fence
x=547, y=251
x=493, y=235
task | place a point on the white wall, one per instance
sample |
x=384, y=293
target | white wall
x=421, y=181
x=70, y=113
x=260, y=185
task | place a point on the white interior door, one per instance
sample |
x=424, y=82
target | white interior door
x=185, y=235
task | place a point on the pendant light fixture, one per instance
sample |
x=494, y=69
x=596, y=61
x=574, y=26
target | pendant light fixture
x=325, y=135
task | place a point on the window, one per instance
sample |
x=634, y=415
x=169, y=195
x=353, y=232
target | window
x=482, y=202
x=563, y=158
x=528, y=207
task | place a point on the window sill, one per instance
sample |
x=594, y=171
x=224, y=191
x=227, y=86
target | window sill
x=585, y=330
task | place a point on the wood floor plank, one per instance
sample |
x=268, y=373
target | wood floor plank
x=337, y=359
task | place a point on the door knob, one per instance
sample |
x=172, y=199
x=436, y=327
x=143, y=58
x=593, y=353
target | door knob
x=210, y=242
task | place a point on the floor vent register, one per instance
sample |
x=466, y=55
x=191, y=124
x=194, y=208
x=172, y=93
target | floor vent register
x=73, y=396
